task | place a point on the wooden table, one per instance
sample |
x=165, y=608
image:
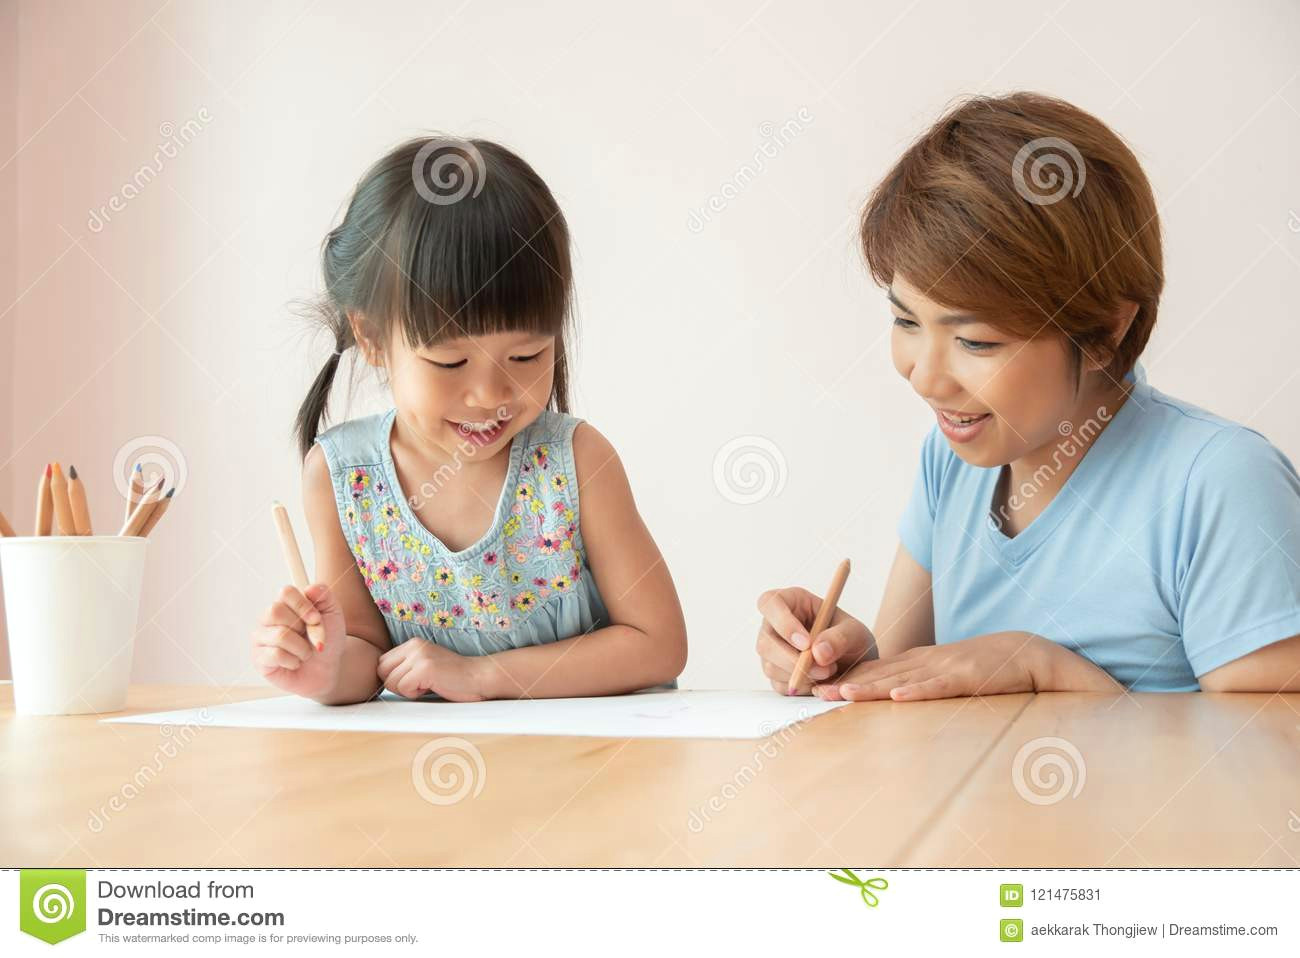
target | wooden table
x=1149, y=780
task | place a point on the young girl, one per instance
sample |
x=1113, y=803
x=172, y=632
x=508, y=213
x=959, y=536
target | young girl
x=1071, y=526
x=475, y=541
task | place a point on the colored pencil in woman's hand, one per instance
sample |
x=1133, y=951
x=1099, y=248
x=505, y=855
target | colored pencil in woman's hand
x=44, y=505
x=823, y=619
x=297, y=570
x=5, y=528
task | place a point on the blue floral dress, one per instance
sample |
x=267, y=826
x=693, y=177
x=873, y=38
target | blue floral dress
x=525, y=582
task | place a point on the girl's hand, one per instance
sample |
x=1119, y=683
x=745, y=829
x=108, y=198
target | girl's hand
x=418, y=666
x=993, y=664
x=282, y=651
x=787, y=616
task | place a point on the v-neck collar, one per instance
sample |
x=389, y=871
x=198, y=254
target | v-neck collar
x=1087, y=476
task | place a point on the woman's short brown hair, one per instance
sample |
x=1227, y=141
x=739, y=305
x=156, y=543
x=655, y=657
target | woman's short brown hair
x=1024, y=209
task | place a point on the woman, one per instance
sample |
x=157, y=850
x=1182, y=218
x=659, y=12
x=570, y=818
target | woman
x=1071, y=527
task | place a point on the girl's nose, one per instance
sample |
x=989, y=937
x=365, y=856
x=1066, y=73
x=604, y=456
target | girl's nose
x=492, y=391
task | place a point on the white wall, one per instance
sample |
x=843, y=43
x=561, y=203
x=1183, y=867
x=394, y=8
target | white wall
x=758, y=321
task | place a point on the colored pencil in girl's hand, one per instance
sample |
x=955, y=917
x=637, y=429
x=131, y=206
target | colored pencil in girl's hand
x=44, y=505
x=823, y=619
x=297, y=571
x=80, y=507
x=5, y=528
x=143, y=510
x=62, y=504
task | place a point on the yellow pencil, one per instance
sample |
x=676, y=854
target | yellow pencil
x=62, y=504
x=823, y=619
x=44, y=505
x=297, y=571
x=158, y=513
x=80, y=508
x=143, y=509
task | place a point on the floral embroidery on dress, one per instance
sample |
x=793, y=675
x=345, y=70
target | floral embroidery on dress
x=532, y=558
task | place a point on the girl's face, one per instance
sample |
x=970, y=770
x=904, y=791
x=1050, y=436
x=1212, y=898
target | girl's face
x=471, y=396
x=1018, y=391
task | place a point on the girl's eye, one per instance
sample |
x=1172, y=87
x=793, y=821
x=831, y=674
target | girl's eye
x=528, y=359
x=455, y=365
x=902, y=323
x=977, y=345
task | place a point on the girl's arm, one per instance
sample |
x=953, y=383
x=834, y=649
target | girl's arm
x=367, y=635
x=647, y=644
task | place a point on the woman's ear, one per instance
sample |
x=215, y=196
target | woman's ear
x=1123, y=320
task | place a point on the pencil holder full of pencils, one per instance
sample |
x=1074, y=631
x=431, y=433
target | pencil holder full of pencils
x=71, y=605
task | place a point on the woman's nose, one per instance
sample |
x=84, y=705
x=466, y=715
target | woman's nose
x=927, y=375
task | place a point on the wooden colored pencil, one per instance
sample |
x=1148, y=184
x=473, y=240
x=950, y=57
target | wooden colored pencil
x=62, y=504
x=823, y=619
x=80, y=507
x=297, y=570
x=135, y=492
x=44, y=505
x=158, y=513
x=5, y=528
x=143, y=509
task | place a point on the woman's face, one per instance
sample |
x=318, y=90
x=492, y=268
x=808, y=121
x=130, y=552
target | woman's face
x=1020, y=391
x=471, y=396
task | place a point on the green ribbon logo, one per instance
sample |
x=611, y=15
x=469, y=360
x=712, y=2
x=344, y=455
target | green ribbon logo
x=52, y=903
x=865, y=887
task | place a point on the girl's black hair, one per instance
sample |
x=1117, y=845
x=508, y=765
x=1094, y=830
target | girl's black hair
x=450, y=238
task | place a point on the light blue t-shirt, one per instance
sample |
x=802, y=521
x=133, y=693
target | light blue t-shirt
x=1172, y=549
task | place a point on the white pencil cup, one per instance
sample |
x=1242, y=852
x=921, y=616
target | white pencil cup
x=71, y=604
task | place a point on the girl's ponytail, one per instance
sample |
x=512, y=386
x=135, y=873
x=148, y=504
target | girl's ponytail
x=314, y=407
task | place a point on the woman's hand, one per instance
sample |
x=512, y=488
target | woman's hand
x=992, y=664
x=282, y=651
x=787, y=616
x=418, y=666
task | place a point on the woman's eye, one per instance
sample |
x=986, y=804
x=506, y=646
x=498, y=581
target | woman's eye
x=902, y=323
x=455, y=365
x=977, y=345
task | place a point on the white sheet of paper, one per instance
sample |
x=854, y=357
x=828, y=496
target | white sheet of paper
x=676, y=713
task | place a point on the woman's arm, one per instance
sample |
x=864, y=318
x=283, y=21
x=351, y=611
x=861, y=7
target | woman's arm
x=646, y=644
x=906, y=616
x=1274, y=668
